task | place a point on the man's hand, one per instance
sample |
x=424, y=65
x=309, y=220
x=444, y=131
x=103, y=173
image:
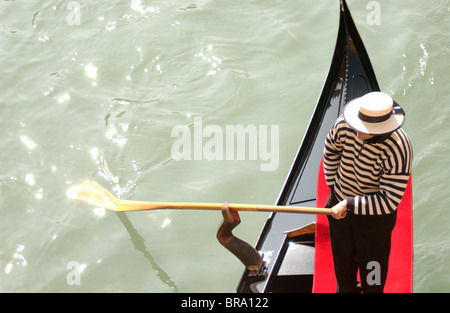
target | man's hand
x=339, y=210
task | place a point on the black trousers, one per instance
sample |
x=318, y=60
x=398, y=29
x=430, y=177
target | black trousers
x=360, y=242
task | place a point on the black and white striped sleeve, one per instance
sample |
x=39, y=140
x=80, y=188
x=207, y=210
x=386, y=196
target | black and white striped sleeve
x=333, y=152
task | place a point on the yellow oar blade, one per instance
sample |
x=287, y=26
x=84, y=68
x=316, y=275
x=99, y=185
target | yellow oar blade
x=91, y=192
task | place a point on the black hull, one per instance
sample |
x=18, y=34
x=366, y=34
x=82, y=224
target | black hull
x=289, y=261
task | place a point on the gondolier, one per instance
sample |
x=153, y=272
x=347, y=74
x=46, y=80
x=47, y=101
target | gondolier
x=304, y=263
x=367, y=163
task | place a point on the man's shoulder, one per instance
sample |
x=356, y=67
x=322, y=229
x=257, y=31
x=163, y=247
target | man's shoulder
x=401, y=136
x=340, y=123
x=399, y=140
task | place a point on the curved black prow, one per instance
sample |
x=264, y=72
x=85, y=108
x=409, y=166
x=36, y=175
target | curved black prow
x=350, y=76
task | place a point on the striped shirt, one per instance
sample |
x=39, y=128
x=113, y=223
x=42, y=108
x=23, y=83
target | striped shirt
x=372, y=175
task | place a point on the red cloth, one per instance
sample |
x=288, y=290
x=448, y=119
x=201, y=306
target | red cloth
x=400, y=274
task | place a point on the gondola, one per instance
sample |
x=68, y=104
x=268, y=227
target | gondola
x=288, y=242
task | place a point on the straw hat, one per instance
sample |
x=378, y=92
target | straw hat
x=375, y=113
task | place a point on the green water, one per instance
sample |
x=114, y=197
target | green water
x=95, y=94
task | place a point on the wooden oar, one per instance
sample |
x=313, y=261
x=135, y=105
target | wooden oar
x=94, y=194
